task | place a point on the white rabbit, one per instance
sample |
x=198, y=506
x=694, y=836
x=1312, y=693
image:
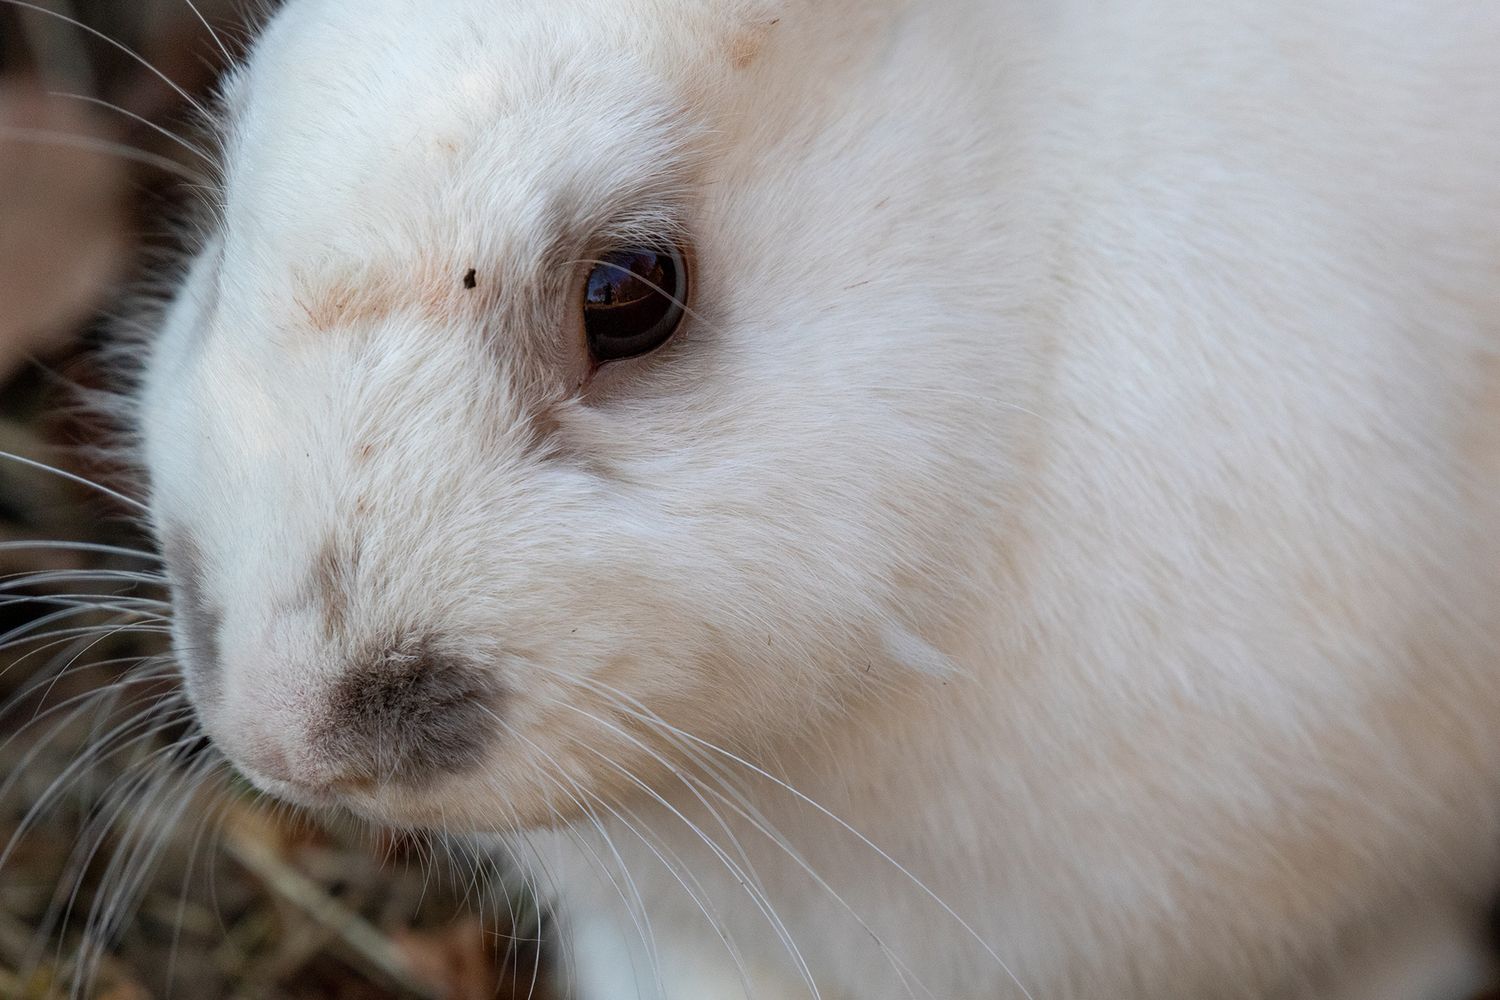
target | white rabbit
x=948, y=499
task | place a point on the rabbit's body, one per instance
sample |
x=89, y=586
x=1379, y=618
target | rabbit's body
x=1079, y=477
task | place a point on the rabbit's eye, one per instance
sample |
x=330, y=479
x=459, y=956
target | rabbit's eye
x=633, y=301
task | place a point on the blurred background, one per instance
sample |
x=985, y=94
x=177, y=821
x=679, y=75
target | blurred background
x=132, y=865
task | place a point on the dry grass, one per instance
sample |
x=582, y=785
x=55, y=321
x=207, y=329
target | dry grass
x=134, y=865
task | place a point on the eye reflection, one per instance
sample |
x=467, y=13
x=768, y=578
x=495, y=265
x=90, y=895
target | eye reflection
x=633, y=301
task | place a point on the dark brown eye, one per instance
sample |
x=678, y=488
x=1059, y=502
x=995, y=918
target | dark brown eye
x=633, y=301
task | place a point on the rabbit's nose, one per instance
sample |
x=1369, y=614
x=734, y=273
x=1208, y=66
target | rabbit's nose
x=405, y=715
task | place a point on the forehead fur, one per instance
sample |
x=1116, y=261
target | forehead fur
x=439, y=139
x=379, y=157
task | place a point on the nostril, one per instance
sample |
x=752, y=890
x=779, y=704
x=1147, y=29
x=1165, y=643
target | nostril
x=278, y=756
x=267, y=758
x=308, y=773
x=407, y=713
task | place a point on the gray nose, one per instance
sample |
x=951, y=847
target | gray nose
x=406, y=714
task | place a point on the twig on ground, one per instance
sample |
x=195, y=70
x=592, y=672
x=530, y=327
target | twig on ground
x=358, y=935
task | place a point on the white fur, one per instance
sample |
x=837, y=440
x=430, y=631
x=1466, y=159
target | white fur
x=1078, y=476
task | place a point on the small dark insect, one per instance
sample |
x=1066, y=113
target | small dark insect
x=471, y=279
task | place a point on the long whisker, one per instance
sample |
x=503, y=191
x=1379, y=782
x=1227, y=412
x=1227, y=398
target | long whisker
x=124, y=874
x=204, y=827
x=141, y=726
x=123, y=606
x=75, y=706
x=44, y=680
x=218, y=41
x=118, y=883
x=742, y=808
x=82, y=645
x=762, y=826
x=824, y=811
x=117, y=44
x=16, y=581
x=736, y=802
x=48, y=137
x=531, y=876
x=143, y=675
x=44, y=467
x=93, y=547
x=145, y=624
x=635, y=906
x=751, y=885
x=89, y=843
x=77, y=604
x=161, y=130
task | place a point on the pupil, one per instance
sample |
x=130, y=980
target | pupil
x=628, y=302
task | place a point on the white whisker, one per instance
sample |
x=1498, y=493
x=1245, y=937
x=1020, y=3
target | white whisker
x=92, y=144
x=824, y=811
x=94, y=547
x=141, y=60
x=218, y=41
x=80, y=480
x=160, y=130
